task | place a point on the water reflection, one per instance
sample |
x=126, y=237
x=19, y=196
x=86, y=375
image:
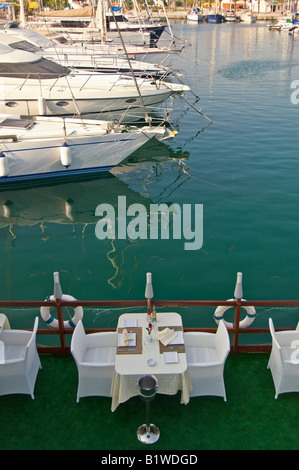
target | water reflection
x=56, y=223
x=72, y=200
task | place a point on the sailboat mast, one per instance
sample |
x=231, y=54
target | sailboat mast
x=129, y=62
x=22, y=18
x=100, y=18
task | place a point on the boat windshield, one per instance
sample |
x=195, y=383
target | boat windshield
x=24, y=46
x=39, y=69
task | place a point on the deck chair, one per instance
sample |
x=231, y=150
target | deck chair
x=206, y=356
x=94, y=355
x=19, y=361
x=284, y=360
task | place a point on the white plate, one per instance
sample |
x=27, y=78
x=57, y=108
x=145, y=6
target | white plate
x=131, y=342
x=171, y=357
x=151, y=362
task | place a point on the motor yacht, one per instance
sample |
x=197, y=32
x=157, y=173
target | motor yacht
x=48, y=147
x=33, y=85
x=78, y=56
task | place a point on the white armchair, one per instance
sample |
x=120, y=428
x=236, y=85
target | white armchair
x=94, y=355
x=206, y=356
x=19, y=361
x=284, y=360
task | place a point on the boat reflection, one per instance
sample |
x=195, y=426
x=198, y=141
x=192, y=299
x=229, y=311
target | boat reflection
x=73, y=201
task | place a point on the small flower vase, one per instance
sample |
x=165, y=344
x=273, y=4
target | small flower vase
x=149, y=331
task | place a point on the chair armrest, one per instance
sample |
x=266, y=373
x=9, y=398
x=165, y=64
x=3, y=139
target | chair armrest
x=101, y=340
x=205, y=364
x=16, y=337
x=12, y=361
x=97, y=364
x=285, y=338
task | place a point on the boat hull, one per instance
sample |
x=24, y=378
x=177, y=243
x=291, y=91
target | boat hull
x=41, y=158
x=215, y=19
x=66, y=98
x=194, y=18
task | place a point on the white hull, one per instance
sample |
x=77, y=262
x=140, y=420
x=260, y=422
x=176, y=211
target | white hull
x=81, y=93
x=232, y=17
x=153, y=55
x=194, y=15
x=248, y=18
x=194, y=18
x=36, y=152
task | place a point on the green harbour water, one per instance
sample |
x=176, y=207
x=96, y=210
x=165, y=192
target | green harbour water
x=243, y=168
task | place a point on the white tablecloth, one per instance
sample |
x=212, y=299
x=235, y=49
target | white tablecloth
x=130, y=367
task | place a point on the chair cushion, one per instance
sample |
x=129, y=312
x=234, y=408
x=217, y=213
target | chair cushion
x=201, y=355
x=99, y=355
x=286, y=353
x=14, y=351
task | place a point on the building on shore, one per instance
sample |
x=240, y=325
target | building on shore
x=259, y=6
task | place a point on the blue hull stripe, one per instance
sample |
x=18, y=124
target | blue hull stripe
x=54, y=174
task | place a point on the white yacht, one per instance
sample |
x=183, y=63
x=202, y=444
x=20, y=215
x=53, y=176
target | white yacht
x=78, y=55
x=45, y=39
x=248, y=17
x=83, y=22
x=47, y=147
x=33, y=85
x=195, y=15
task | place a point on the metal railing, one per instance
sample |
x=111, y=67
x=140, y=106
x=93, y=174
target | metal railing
x=236, y=331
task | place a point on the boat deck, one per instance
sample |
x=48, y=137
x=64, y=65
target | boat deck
x=250, y=419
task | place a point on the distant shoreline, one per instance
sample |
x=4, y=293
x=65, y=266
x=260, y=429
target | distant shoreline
x=181, y=14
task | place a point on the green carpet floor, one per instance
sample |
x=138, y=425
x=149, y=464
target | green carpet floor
x=250, y=419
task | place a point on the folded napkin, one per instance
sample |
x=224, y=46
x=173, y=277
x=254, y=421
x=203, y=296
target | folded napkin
x=126, y=337
x=166, y=336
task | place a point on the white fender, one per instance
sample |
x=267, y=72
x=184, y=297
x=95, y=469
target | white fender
x=42, y=109
x=4, y=170
x=66, y=155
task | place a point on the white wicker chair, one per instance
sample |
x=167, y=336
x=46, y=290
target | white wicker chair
x=284, y=360
x=206, y=356
x=19, y=361
x=94, y=355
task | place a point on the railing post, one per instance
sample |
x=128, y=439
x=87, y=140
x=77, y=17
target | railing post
x=236, y=326
x=61, y=327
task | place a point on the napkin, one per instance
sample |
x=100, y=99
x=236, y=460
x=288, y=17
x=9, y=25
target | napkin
x=166, y=335
x=126, y=337
x=170, y=357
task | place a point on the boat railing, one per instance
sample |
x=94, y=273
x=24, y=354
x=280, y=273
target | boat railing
x=235, y=331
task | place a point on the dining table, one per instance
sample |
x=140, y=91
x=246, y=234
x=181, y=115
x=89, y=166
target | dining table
x=145, y=354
